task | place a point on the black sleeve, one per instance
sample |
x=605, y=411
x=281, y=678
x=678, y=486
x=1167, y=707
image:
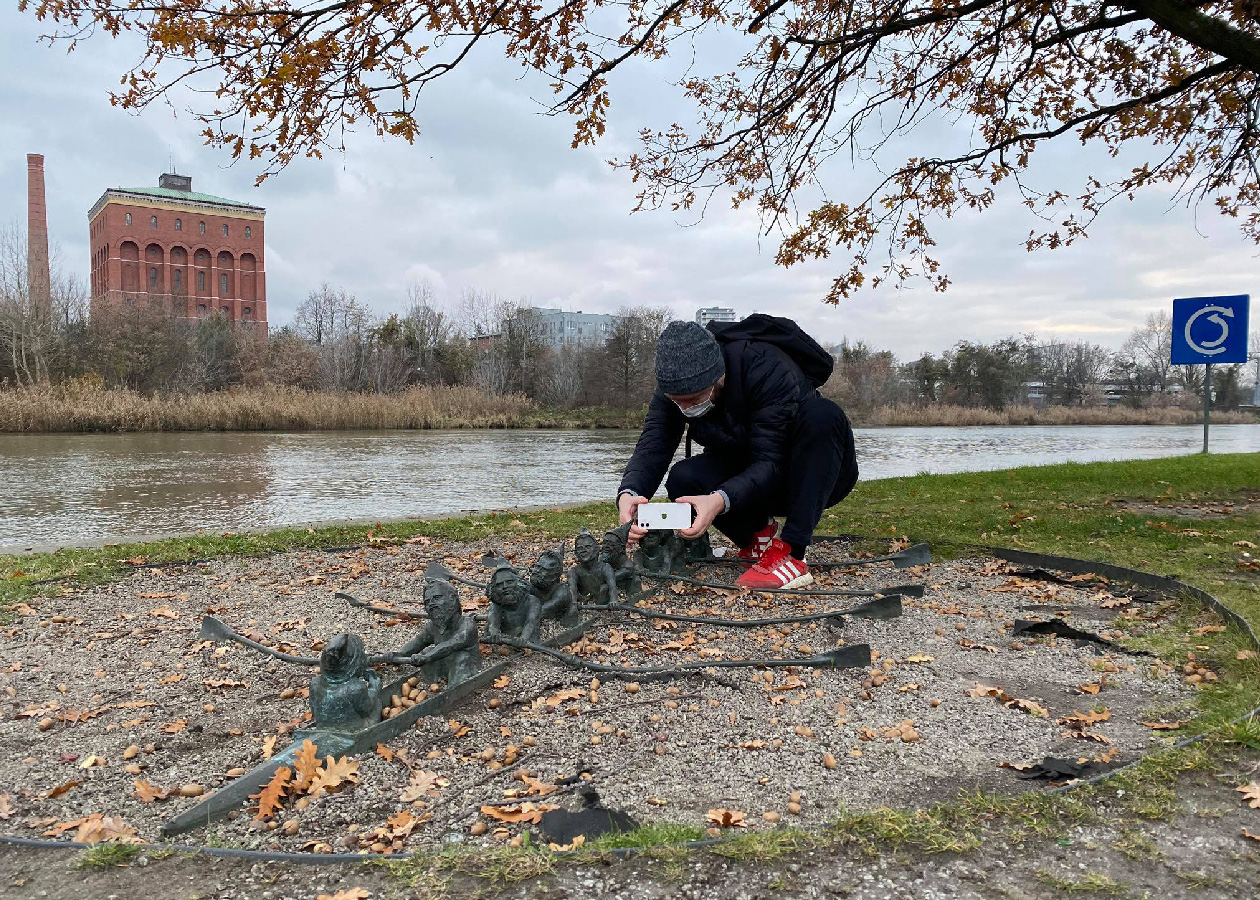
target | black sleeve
x=772, y=393
x=662, y=432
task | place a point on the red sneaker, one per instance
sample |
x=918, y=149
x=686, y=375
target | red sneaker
x=760, y=542
x=776, y=569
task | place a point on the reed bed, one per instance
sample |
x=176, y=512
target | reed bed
x=86, y=406
x=76, y=407
x=948, y=414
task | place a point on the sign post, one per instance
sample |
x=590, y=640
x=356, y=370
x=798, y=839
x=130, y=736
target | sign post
x=1208, y=330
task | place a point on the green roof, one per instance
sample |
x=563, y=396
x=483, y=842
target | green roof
x=189, y=196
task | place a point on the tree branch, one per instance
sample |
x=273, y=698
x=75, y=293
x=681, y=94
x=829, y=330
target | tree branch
x=1204, y=31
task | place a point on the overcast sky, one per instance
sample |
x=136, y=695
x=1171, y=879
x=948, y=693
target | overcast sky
x=492, y=197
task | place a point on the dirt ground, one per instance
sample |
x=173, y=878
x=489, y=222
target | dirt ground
x=108, y=688
x=1199, y=853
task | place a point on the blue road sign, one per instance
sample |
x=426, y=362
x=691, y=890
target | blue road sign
x=1209, y=330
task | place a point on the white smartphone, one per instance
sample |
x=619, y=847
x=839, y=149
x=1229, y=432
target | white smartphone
x=665, y=516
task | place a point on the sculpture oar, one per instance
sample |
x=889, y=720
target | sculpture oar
x=883, y=606
x=848, y=657
x=906, y=590
x=217, y=630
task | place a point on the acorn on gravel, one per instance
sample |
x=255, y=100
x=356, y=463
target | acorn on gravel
x=829, y=761
x=191, y=790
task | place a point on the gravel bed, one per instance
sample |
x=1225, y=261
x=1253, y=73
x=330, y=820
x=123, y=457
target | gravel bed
x=94, y=672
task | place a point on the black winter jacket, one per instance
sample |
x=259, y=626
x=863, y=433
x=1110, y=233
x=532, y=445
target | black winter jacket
x=749, y=424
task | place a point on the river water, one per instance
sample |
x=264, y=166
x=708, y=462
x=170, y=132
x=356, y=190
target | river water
x=72, y=489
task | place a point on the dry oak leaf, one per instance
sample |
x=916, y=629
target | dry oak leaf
x=525, y=812
x=335, y=773
x=503, y=681
x=147, y=793
x=164, y=612
x=1164, y=726
x=6, y=806
x=1248, y=834
x=1112, y=602
x=272, y=795
x=920, y=658
x=269, y=746
x=357, y=893
x=61, y=789
x=420, y=786
x=175, y=727
x=305, y=766
x=1090, y=688
x=1251, y=794
x=385, y=753
x=726, y=818
x=565, y=696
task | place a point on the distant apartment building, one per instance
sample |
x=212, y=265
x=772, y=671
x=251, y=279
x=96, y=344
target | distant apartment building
x=192, y=254
x=560, y=327
x=709, y=314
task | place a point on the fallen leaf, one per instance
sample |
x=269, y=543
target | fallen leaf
x=98, y=829
x=162, y=596
x=385, y=753
x=1089, y=688
x=419, y=787
x=272, y=795
x=91, y=761
x=968, y=644
x=6, y=806
x=1163, y=726
x=919, y=658
x=147, y=793
x=305, y=766
x=269, y=746
x=1207, y=629
x=1086, y=719
x=503, y=681
x=175, y=727
x=726, y=818
x=525, y=812
x=61, y=789
x=357, y=893
x=1251, y=794
x=335, y=773
x=164, y=612
x=1245, y=654
x=1113, y=602
x=1248, y=834
x=1245, y=545
x=565, y=696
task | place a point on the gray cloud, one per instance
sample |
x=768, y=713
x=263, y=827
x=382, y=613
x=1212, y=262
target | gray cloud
x=492, y=197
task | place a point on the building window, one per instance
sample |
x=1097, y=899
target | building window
x=178, y=279
x=225, y=234
x=222, y=285
x=201, y=309
x=201, y=282
x=202, y=228
x=248, y=232
x=245, y=310
x=179, y=224
x=128, y=218
x=152, y=278
x=153, y=221
x=224, y=309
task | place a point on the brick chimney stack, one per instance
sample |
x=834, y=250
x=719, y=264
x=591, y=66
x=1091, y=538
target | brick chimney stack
x=39, y=279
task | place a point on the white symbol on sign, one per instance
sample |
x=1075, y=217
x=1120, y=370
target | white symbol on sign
x=1212, y=347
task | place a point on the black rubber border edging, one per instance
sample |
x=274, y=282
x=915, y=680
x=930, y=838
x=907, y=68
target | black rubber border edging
x=1164, y=584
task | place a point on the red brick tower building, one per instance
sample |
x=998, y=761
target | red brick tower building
x=193, y=254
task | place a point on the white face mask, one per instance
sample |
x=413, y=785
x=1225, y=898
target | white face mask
x=699, y=409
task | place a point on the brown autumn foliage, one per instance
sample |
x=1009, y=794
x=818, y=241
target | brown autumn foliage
x=1174, y=84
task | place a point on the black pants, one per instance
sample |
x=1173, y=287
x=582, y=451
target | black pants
x=821, y=471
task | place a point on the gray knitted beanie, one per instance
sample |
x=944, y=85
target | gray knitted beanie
x=688, y=359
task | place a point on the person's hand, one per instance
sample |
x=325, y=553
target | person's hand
x=707, y=508
x=628, y=507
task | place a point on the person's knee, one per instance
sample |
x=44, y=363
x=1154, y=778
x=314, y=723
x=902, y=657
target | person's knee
x=687, y=478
